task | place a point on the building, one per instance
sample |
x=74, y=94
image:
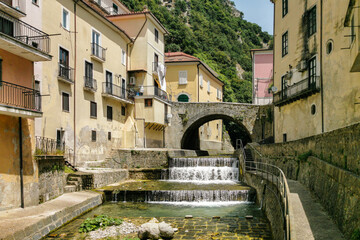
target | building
x=316, y=67
x=262, y=76
x=22, y=45
x=191, y=80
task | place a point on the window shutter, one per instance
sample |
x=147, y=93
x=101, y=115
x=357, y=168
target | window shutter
x=208, y=85
x=183, y=77
x=201, y=80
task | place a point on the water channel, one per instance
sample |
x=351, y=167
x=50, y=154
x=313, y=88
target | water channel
x=207, y=188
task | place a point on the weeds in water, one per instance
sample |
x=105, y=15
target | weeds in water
x=101, y=221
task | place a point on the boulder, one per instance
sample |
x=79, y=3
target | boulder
x=149, y=231
x=166, y=231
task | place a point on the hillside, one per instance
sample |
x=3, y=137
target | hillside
x=215, y=32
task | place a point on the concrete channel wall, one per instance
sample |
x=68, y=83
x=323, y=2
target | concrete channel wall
x=337, y=189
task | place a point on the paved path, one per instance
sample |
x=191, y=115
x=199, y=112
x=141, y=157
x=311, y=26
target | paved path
x=310, y=219
x=37, y=221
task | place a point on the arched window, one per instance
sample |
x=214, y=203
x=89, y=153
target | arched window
x=183, y=98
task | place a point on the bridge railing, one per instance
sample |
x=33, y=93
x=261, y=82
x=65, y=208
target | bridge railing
x=276, y=176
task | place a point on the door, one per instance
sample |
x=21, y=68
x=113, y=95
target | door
x=109, y=82
x=64, y=63
x=88, y=74
x=96, y=43
x=123, y=88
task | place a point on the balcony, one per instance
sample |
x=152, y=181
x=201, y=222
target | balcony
x=23, y=39
x=66, y=74
x=113, y=91
x=299, y=90
x=48, y=147
x=151, y=91
x=98, y=52
x=19, y=101
x=17, y=10
x=90, y=84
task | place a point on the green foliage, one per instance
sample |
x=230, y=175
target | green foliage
x=68, y=170
x=101, y=221
x=209, y=30
x=356, y=235
x=303, y=157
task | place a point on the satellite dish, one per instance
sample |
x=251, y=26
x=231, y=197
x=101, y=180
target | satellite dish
x=274, y=89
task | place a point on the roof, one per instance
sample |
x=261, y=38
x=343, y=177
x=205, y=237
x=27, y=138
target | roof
x=140, y=13
x=180, y=57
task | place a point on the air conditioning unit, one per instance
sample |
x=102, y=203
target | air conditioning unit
x=302, y=66
x=132, y=81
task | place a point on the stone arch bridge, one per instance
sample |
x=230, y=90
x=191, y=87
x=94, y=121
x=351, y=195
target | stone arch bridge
x=188, y=117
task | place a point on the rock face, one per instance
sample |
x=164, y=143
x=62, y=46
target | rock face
x=155, y=230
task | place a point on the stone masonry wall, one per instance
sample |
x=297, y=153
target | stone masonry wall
x=52, y=178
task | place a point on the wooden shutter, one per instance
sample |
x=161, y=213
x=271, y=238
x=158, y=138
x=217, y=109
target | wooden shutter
x=183, y=77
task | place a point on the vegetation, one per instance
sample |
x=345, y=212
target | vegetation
x=101, y=221
x=303, y=157
x=215, y=32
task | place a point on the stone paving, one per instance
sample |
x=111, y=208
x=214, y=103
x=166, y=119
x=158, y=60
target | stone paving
x=194, y=228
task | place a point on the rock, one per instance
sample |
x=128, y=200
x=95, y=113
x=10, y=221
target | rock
x=149, y=230
x=166, y=231
x=188, y=216
x=176, y=229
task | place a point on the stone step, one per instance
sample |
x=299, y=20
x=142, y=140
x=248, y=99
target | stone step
x=90, y=164
x=70, y=188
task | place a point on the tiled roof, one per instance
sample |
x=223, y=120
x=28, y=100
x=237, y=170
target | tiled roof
x=180, y=57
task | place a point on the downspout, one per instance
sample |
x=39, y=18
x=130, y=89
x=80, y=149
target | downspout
x=21, y=164
x=321, y=68
x=273, y=73
x=75, y=37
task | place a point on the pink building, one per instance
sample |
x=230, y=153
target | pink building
x=262, y=65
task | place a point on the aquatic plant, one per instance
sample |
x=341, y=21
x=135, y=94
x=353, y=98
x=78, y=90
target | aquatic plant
x=101, y=221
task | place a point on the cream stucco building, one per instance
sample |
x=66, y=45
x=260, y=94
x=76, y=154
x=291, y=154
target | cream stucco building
x=99, y=89
x=191, y=80
x=316, y=66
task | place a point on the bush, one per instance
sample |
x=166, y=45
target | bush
x=101, y=221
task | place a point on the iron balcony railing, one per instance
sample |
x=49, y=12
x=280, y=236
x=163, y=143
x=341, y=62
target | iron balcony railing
x=98, y=51
x=151, y=91
x=19, y=96
x=23, y=32
x=48, y=146
x=117, y=91
x=90, y=83
x=297, y=91
x=66, y=72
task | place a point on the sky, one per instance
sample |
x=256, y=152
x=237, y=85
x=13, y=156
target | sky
x=257, y=11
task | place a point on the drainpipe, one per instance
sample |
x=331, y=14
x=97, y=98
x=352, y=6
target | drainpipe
x=21, y=164
x=321, y=68
x=273, y=73
x=75, y=38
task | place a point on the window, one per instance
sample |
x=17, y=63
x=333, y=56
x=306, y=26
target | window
x=148, y=102
x=208, y=86
x=329, y=46
x=123, y=111
x=218, y=93
x=95, y=49
x=93, y=136
x=109, y=113
x=89, y=74
x=37, y=85
x=156, y=35
x=1, y=71
x=64, y=70
x=65, y=102
x=60, y=139
x=285, y=44
x=284, y=137
x=93, y=109
x=352, y=30
x=201, y=80
x=123, y=87
x=123, y=57
x=312, y=21
x=115, y=8
x=65, y=19
x=313, y=109
x=6, y=26
x=36, y=2
x=312, y=72
x=109, y=85
x=183, y=98
x=285, y=7
x=109, y=136
x=183, y=77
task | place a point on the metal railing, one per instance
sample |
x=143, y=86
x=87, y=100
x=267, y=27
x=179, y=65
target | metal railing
x=151, y=91
x=297, y=90
x=98, y=51
x=276, y=176
x=66, y=72
x=117, y=91
x=24, y=32
x=48, y=146
x=90, y=83
x=19, y=96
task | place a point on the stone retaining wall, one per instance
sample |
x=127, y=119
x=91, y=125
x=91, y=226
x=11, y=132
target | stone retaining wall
x=337, y=189
x=52, y=178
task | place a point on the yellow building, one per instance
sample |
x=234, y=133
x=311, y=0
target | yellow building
x=22, y=44
x=191, y=80
x=316, y=66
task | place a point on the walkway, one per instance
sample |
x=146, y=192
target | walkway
x=310, y=221
x=37, y=221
